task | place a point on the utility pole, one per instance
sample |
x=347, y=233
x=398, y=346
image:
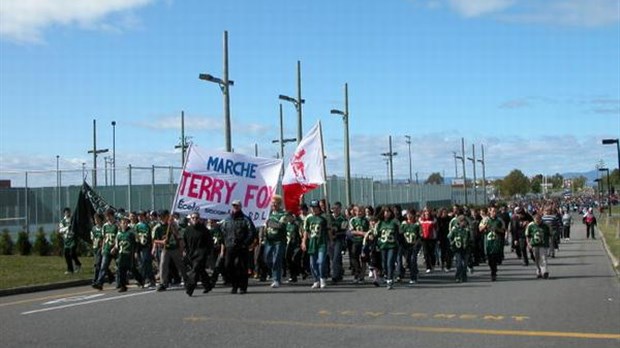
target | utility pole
x=183, y=145
x=484, y=179
x=473, y=162
x=95, y=152
x=389, y=155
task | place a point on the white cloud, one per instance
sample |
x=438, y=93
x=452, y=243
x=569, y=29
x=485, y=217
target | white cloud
x=475, y=8
x=579, y=13
x=26, y=20
x=196, y=123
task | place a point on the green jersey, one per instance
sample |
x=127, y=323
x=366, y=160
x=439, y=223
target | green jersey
x=410, y=233
x=68, y=237
x=359, y=224
x=459, y=238
x=293, y=237
x=493, y=245
x=109, y=237
x=143, y=234
x=275, y=228
x=316, y=228
x=125, y=242
x=96, y=235
x=339, y=226
x=538, y=235
x=387, y=232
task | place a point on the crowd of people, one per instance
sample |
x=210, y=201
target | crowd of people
x=383, y=245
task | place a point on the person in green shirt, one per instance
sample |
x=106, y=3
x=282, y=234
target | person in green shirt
x=109, y=230
x=538, y=234
x=96, y=236
x=411, y=244
x=315, y=241
x=144, y=246
x=275, y=240
x=123, y=248
x=459, y=238
x=338, y=226
x=359, y=226
x=69, y=243
x=387, y=237
x=493, y=229
x=293, y=247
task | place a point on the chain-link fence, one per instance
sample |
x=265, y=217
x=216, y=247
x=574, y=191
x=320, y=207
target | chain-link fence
x=35, y=199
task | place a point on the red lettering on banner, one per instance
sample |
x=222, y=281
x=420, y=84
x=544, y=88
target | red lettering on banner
x=206, y=188
x=261, y=194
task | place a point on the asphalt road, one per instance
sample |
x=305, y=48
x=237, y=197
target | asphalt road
x=578, y=306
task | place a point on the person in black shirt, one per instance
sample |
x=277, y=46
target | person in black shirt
x=198, y=245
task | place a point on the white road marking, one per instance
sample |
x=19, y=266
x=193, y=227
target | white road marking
x=87, y=302
x=73, y=299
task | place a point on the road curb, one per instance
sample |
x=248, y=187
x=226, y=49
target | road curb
x=44, y=287
x=614, y=261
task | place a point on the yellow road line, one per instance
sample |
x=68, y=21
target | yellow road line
x=47, y=298
x=331, y=325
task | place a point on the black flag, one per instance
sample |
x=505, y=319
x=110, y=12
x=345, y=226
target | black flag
x=88, y=203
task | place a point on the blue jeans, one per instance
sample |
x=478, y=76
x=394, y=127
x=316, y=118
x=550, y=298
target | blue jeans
x=461, y=257
x=388, y=256
x=337, y=271
x=410, y=254
x=146, y=265
x=274, y=254
x=105, y=263
x=317, y=264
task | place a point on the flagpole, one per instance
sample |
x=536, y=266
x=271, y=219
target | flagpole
x=324, y=166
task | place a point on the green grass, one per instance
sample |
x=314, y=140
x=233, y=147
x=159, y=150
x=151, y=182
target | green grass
x=609, y=227
x=17, y=271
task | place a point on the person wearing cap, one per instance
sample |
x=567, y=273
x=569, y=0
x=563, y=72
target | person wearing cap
x=123, y=248
x=198, y=246
x=275, y=240
x=315, y=242
x=239, y=233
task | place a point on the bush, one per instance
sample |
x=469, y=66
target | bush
x=24, y=247
x=56, y=244
x=6, y=243
x=41, y=246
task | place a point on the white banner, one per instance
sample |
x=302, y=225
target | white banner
x=212, y=180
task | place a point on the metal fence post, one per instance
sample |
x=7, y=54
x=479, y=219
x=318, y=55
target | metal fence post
x=153, y=187
x=129, y=190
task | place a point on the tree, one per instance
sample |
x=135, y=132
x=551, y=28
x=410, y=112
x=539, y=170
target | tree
x=557, y=181
x=579, y=183
x=536, y=184
x=434, y=179
x=515, y=183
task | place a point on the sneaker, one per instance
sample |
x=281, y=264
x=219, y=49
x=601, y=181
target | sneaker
x=375, y=283
x=97, y=286
x=122, y=289
x=292, y=280
x=233, y=291
x=356, y=281
x=539, y=276
x=546, y=275
x=78, y=269
x=412, y=281
x=323, y=283
x=67, y=272
x=315, y=285
x=275, y=284
x=242, y=292
x=446, y=270
x=161, y=287
x=428, y=270
x=390, y=285
x=398, y=279
x=493, y=277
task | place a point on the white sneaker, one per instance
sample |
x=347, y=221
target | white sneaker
x=275, y=284
x=389, y=285
x=412, y=282
x=315, y=285
x=323, y=283
x=428, y=270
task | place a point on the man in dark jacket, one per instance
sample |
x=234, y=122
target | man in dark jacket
x=198, y=246
x=239, y=233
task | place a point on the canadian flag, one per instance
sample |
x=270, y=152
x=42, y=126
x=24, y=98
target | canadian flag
x=305, y=170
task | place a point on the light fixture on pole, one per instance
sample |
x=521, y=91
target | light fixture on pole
x=297, y=102
x=473, y=163
x=408, y=141
x=484, y=179
x=95, y=152
x=224, y=84
x=347, y=163
x=611, y=142
x=389, y=155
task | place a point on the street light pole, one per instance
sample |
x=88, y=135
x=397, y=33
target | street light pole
x=408, y=141
x=58, y=186
x=462, y=158
x=297, y=102
x=389, y=155
x=484, y=179
x=347, y=159
x=608, y=189
x=224, y=84
x=282, y=141
x=614, y=141
x=473, y=162
x=95, y=152
x=114, y=153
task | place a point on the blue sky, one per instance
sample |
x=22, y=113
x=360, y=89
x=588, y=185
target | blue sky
x=536, y=82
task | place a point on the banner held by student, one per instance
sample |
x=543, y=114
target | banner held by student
x=211, y=180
